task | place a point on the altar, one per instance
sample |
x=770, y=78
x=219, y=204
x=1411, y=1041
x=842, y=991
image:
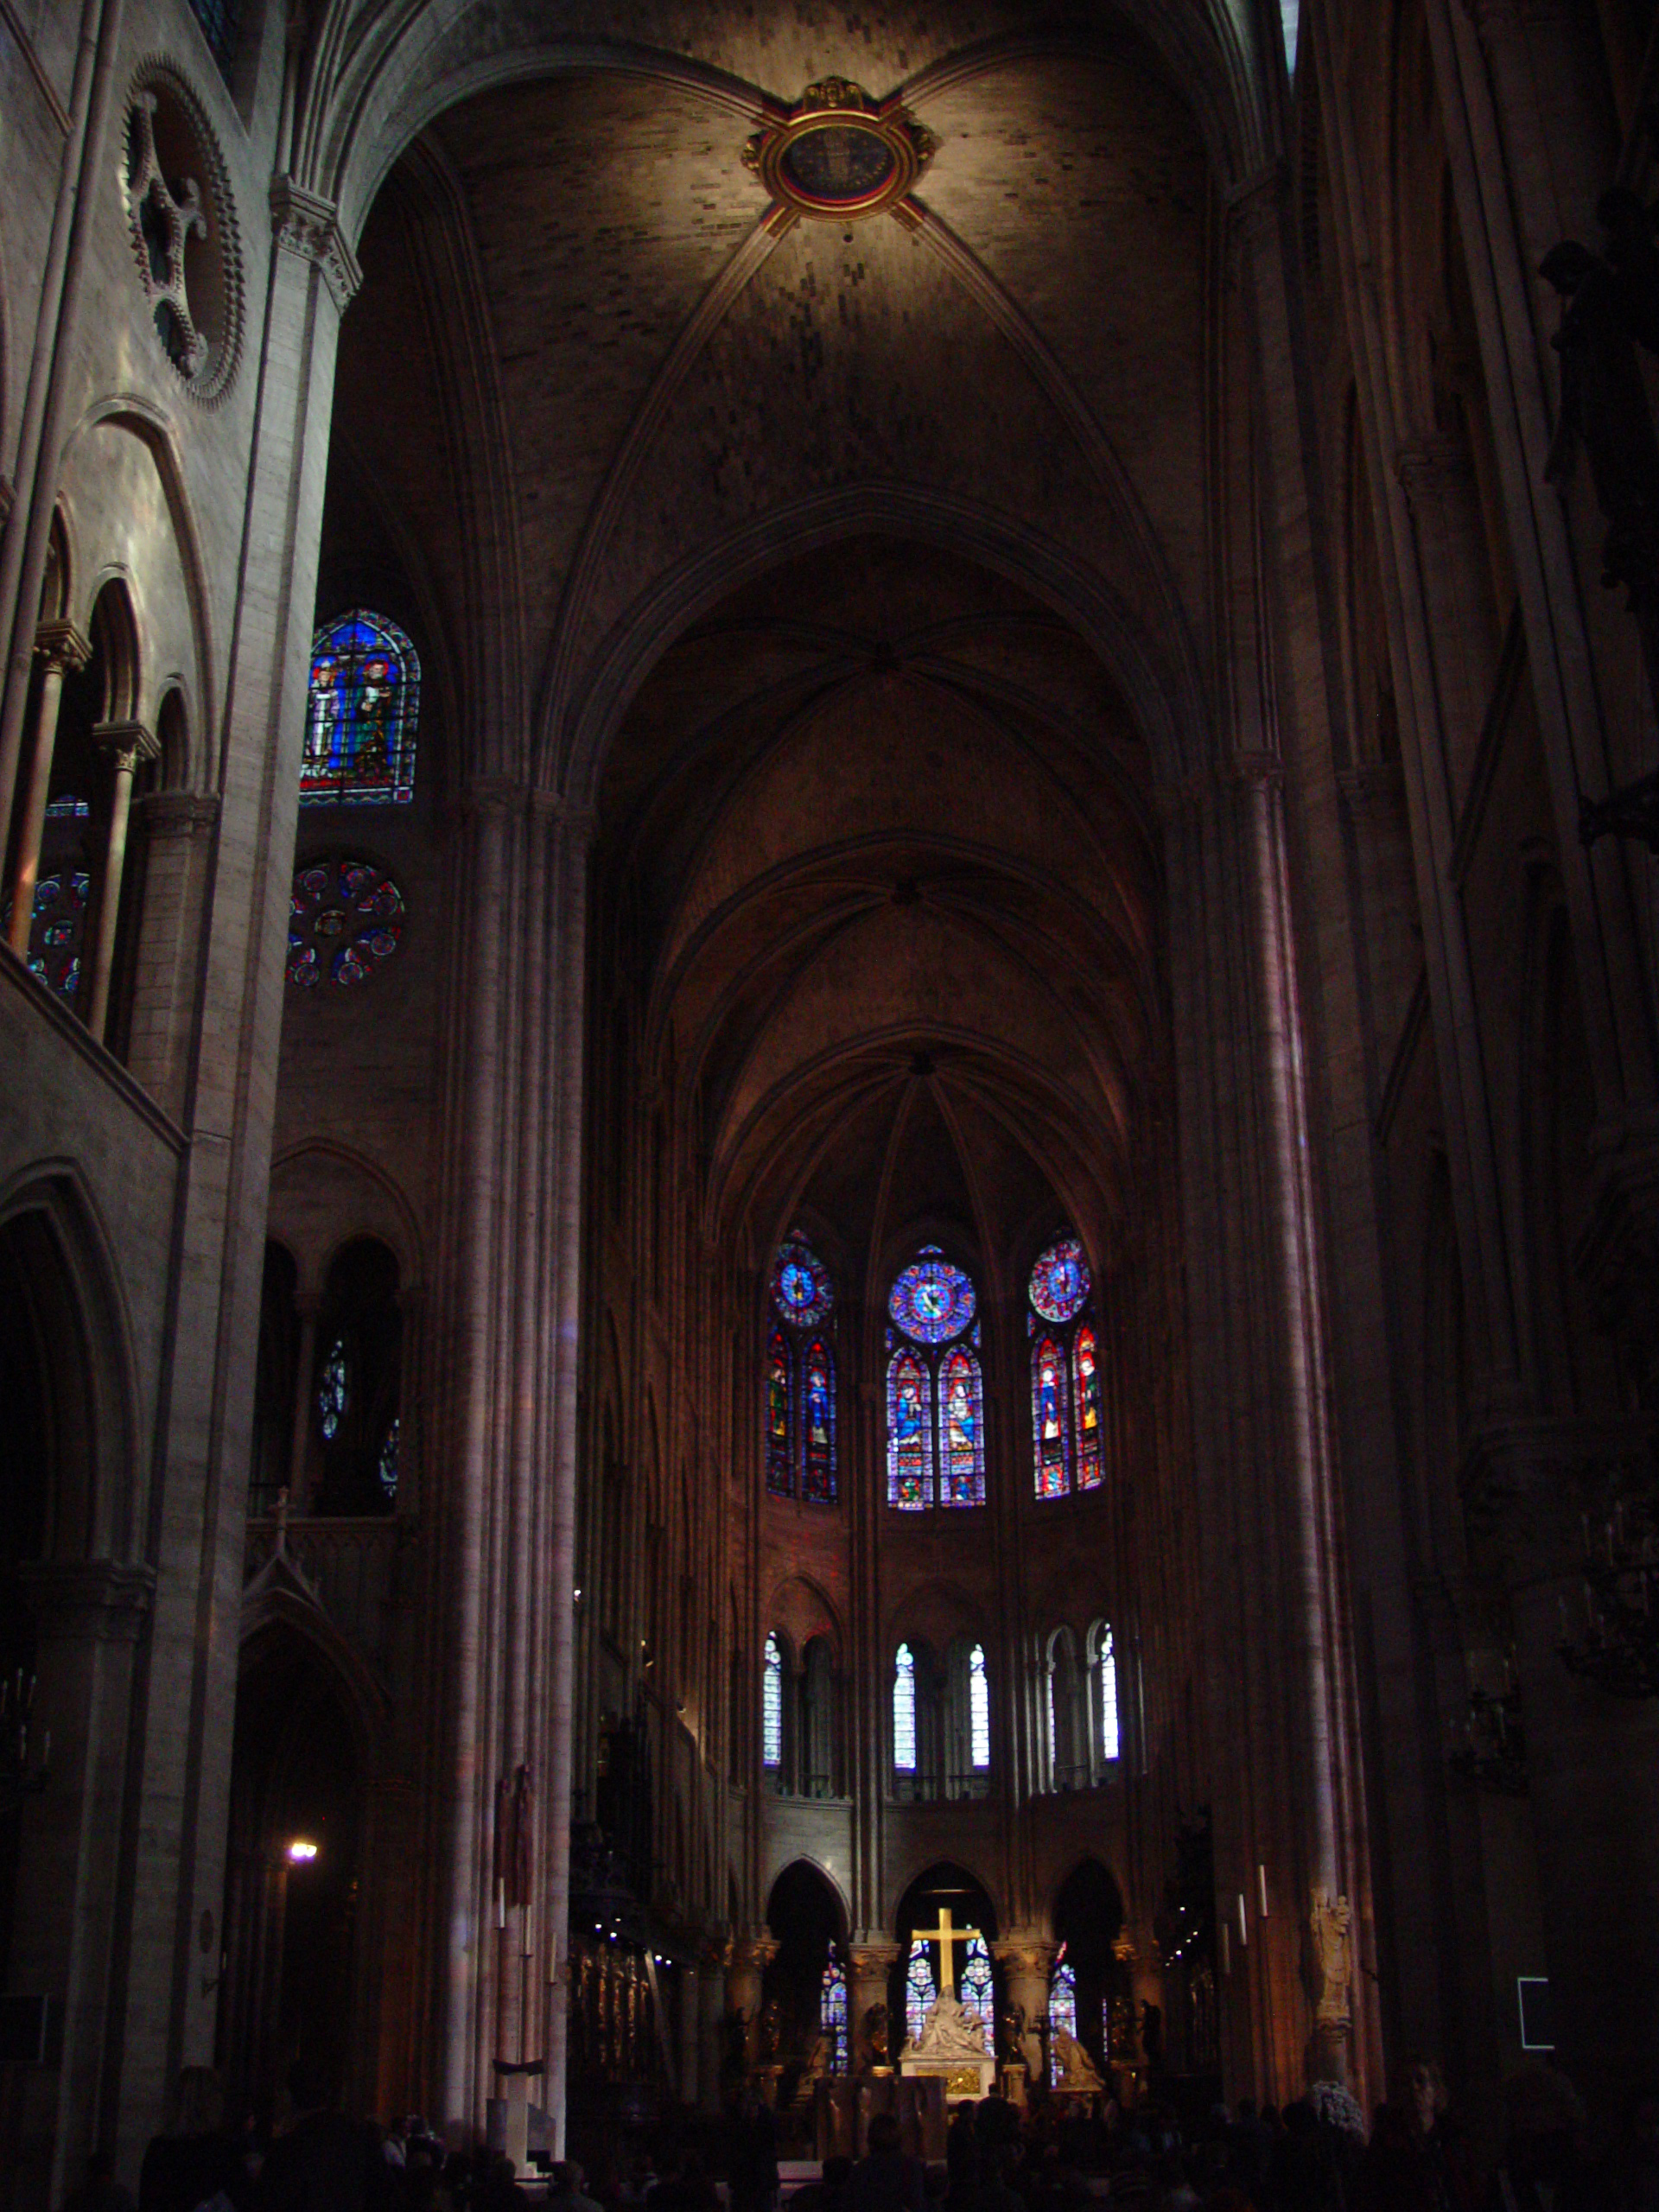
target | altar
x=951, y=2049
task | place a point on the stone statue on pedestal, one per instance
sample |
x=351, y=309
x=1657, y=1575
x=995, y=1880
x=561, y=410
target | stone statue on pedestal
x=1078, y=2072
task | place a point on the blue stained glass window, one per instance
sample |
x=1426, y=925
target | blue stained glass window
x=800, y=1283
x=976, y=1990
x=361, y=713
x=832, y=2011
x=1088, y=1393
x=1065, y=1419
x=979, y=1710
x=931, y=1301
x=1060, y=1280
x=58, y=931
x=818, y=1416
x=772, y=1705
x=962, y=1431
x=910, y=1432
x=387, y=1468
x=921, y=1990
x=68, y=808
x=333, y=1390
x=904, y=1710
x=1062, y=2009
x=780, y=1469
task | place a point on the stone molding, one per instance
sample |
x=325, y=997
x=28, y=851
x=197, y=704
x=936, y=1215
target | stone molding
x=871, y=1962
x=308, y=227
x=754, y=1954
x=173, y=814
x=1431, y=467
x=1025, y=1954
x=61, y=647
x=1527, y=1480
x=97, y=1601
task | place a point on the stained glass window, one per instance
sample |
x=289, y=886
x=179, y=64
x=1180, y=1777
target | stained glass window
x=1106, y=1695
x=68, y=808
x=346, y=919
x=1065, y=1424
x=1048, y=1422
x=975, y=1989
x=1062, y=2009
x=58, y=932
x=387, y=1466
x=921, y=1990
x=962, y=1438
x=1088, y=1380
x=218, y=19
x=832, y=2011
x=772, y=1705
x=362, y=708
x=800, y=1283
x=333, y=1390
x=910, y=1432
x=931, y=1301
x=1060, y=1280
x=819, y=1402
x=904, y=1710
x=800, y=1380
x=780, y=1472
x=979, y=1710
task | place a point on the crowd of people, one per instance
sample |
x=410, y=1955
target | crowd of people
x=1315, y=2156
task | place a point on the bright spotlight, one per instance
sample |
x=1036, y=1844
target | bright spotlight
x=301, y=1852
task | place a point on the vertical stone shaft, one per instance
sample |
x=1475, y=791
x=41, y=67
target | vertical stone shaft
x=61, y=647
x=126, y=743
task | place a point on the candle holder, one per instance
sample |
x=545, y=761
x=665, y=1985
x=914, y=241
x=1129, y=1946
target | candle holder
x=1494, y=1754
x=21, y=1774
x=1619, y=1647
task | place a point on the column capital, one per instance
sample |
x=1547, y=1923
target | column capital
x=1256, y=769
x=871, y=1960
x=756, y=1953
x=1031, y=1955
x=62, y=647
x=308, y=227
x=126, y=743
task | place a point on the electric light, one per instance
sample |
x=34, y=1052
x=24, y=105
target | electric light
x=301, y=1852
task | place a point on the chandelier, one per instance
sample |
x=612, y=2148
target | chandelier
x=1618, y=1645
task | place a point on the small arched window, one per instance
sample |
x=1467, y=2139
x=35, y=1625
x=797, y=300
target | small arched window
x=1103, y=1694
x=772, y=1707
x=1070, y=1757
x=800, y=1377
x=935, y=1405
x=1065, y=1413
x=979, y=1710
x=361, y=712
x=903, y=1711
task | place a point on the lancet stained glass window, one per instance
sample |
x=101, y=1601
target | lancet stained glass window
x=361, y=713
x=333, y=1390
x=1108, y=1735
x=1062, y=2009
x=904, y=1710
x=921, y=1990
x=387, y=1466
x=979, y=1710
x=832, y=2011
x=936, y=1438
x=772, y=1705
x=975, y=1987
x=1065, y=1422
x=800, y=1377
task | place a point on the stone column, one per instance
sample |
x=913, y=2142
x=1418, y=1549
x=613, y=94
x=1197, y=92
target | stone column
x=690, y=2034
x=870, y=1962
x=90, y=1616
x=1592, y=1758
x=59, y=647
x=125, y=744
x=1027, y=1960
x=751, y=1956
x=179, y=829
x=712, y=1963
x=198, y=1509
x=308, y=1304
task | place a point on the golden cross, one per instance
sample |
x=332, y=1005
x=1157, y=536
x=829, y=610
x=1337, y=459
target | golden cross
x=947, y=1936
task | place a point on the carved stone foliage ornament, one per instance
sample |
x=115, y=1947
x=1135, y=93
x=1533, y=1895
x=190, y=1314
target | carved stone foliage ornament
x=838, y=155
x=182, y=225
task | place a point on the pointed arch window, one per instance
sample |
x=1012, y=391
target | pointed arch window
x=979, y=1710
x=1065, y=1407
x=1103, y=1694
x=904, y=1710
x=936, y=1430
x=1062, y=2009
x=800, y=1377
x=921, y=1990
x=361, y=712
x=976, y=1990
x=832, y=2011
x=772, y=1706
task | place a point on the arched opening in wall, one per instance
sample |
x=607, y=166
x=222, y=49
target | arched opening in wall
x=1088, y=1921
x=805, y=1914
x=274, y=1413
x=817, y=1732
x=353, y=1427
x=1070, y=1766
x=293, y=1870
x=945, y=1927
x=165, y=769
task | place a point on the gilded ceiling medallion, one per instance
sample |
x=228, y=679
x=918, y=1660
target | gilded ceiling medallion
x=838, y=155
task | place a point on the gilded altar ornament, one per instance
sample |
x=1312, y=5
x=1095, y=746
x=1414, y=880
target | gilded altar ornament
x=839, y=156
x=1329, y=1918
